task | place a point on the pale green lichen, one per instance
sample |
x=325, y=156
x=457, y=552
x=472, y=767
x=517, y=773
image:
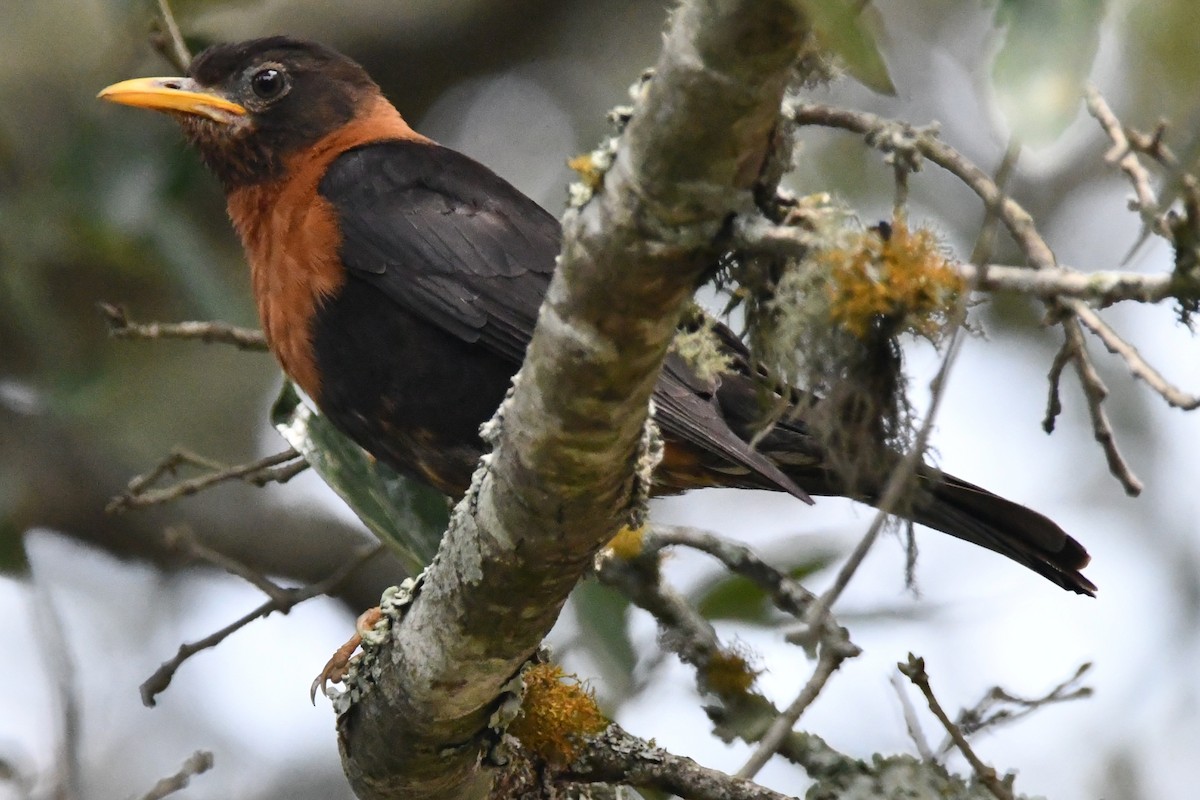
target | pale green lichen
x=364, y=669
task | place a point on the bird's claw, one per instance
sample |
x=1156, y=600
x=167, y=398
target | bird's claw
x=338, y=665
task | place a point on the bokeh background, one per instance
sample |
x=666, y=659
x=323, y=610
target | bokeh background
x=99, y=203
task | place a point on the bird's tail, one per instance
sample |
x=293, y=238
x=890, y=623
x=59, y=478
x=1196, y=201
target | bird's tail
x=966, y=511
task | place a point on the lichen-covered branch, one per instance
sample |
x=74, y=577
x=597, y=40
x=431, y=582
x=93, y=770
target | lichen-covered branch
x=560, y=482
x=1068, y=307
x=723, y=673
x=617, y=757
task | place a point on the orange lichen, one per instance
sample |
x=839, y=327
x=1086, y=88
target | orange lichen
x=893, y=274
x=729, y=672
x=591, y=173
x=556, y=712
x=627, y=544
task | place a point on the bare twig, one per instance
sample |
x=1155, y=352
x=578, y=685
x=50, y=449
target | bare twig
x=914, y=670
x=1102, y=288
x=197, y=763
x=1023, y=230
x=1125, y=157
x=60, y=670
x=984, y=714
x=1134, y=360
x=1054, y=379
x=835, y=649
x=270, y=469
x=122, y=327
x=787, y=594
x=911, y=722
x=181, y=539
x=893, y=492
x=171, y=44
x=697, y=643
x=685, y=631
x=1095, y=391
x=161, y=678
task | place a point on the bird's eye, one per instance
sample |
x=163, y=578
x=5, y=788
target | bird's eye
x=268, y=83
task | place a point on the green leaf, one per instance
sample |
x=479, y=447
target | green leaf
x=407, y=516
x=13, y=561
x=733, y=597
x=848, y=29
x=1045, y=57
x=602, y=615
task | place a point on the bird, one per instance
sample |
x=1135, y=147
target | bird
x=398, y=283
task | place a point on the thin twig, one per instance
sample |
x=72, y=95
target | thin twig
x=1124, y=156
x=48, y=626
x=914, y=670
x=173, y=48
x=270, y=469
x=197, y=763
x=1022, y=228
x=1134, y=360
x=161, y=678
x=743, y=713
x=182, y=540
x=787, y=594
x=834, y=650
x=120, y=326
x=981, y=716
x=1054, y=379
x=911, y=722
x=1095, y=392
x=892, y=494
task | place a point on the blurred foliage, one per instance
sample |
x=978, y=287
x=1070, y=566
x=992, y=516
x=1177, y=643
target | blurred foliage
x=733, y=597
x=1045, y=56
x=601, y=614
x=851, y=30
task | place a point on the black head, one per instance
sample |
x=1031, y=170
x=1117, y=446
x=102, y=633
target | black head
x=246, y=106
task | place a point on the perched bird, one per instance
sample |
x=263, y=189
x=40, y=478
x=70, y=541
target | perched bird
x=398, y=283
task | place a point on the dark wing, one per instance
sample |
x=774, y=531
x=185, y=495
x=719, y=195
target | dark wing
x=449, y=240
x=445, y=238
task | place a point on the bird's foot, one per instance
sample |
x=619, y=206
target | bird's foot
x=338, y=666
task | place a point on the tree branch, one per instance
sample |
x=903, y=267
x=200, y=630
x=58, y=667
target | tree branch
x=914, y=670
x=278, y=468
x=197, y=763
x=281, y=600
x=561, y=480
x=1073, y=312
x=616, y=757
x=120, y=326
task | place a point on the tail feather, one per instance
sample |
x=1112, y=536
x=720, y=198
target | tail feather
x=975, y=515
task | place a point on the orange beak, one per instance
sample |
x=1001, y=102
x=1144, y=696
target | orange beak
x=173, y=95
